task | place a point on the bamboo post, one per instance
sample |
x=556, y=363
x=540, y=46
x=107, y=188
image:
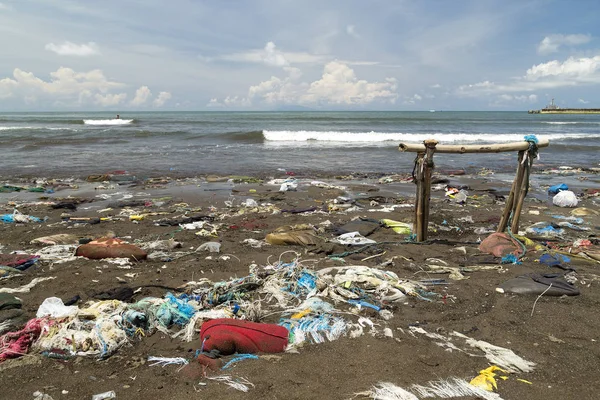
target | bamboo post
x=522, y=192
x=428, y=171
x=419, y=198
x=514, y=190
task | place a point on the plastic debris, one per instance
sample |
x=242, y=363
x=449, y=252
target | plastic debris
x=486, y=379
x=557, y=188
x=106, y=395
x=441, y=389
x=26, y=288
x=164, y=361
x=503, y=357
x=212, y=247
x=352, y=238
x=61, y=238
x=241, y=384
x=238, y=358
x=545, y=229
x=397, y=226
x=565, y=198
x=18, y=217
x=55, y=308
x=289, y=185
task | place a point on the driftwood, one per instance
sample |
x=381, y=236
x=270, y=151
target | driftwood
x=472, y=148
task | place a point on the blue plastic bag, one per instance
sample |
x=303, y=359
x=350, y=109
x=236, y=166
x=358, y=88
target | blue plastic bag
x=557, y=188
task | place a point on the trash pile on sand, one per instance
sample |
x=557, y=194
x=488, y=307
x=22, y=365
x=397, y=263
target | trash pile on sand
x=339, y=280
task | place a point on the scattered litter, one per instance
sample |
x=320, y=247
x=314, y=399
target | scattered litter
x=443, y=389
x=55, y=308
x=257, y=244
x=241, y=384
x=504, y=358
x=212, y=247
x=26, y=288
x=164, y=361
x=106, y=395
x=486, y=379
x=352, y=238
x=565, y=198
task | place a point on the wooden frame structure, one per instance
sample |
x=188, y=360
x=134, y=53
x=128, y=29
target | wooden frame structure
x=424, y=168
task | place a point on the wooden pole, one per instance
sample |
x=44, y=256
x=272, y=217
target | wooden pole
x=522, y=192
x=418, y=230
x=515, y=189
x=428, y=171
x=473, y=148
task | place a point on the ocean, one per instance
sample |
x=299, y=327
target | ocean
x=254, y=143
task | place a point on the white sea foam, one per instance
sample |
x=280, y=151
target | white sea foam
x=14, y=128
x=107, y=121
x=375, y=138
x=17, y=128
x=559, y=123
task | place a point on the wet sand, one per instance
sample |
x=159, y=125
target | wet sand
x=560, y=337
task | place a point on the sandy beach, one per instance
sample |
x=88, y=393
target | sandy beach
x=558, y=335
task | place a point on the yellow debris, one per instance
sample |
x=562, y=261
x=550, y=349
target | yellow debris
x=487, y=378
x=524, y=381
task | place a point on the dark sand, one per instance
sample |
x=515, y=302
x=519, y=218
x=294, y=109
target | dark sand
x=561, y=337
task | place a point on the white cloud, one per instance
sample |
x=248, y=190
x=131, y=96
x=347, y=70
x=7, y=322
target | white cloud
x=554, y=74
x=576, y=69
x=274, y=57
x=532, y=98
x=109, y=99
x=3, y=6
x=413, y=99
x=269, y=55
x=551, y=44
x=142, y=95
x=338, y=85
x=214, y=103
x=68, y=88
x=64, y=82
x=582, y=101
x=71, y=49
x=161, y=99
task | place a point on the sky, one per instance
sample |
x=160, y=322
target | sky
x=69, y=55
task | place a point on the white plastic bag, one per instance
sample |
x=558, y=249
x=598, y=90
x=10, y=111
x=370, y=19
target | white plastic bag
x=250, y=203
x=566, y=198
x=289, y=186
x=213, y=247
x=55, y=308
x=352, y=238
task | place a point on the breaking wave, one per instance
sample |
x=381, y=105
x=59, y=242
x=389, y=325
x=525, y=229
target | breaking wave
x=379, y=137
x=560, y=123
x=107, y=121
x=19, y=128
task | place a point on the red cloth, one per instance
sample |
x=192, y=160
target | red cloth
x=16, y=344
x=229, y=336
x=110, y=248
x=499, y=245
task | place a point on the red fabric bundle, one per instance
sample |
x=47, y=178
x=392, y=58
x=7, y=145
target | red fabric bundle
x=110, y=248
x=499, y=245
x=16, y=344
x=229, y=336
